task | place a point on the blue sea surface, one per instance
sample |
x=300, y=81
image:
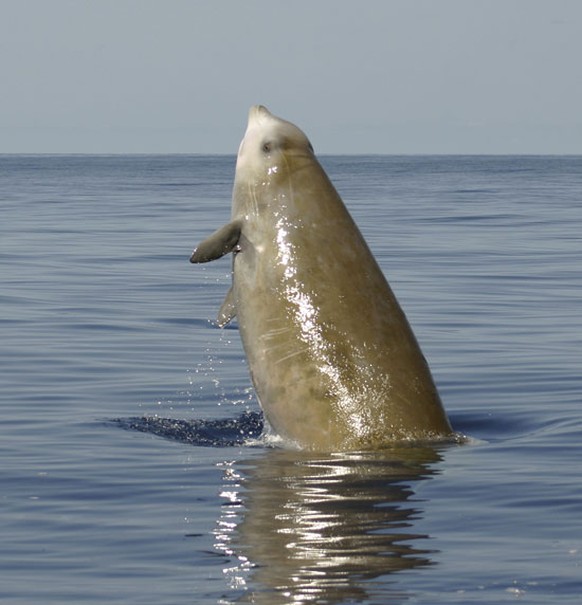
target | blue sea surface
x=132, y=465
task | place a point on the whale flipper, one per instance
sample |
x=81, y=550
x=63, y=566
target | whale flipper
x=221, y=242
x=227, y=310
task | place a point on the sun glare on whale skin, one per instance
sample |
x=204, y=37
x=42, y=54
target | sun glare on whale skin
x=332, y=357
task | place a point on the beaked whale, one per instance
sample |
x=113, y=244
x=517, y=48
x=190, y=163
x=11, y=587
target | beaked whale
x=332, y=357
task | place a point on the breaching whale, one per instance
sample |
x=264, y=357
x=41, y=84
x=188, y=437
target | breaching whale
x=332, y=357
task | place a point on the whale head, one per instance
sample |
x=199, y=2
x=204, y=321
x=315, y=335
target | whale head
x=267, y=143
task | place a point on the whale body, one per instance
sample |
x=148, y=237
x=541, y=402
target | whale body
x=332, y=357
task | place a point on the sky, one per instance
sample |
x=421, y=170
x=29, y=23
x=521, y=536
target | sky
x=372, y=76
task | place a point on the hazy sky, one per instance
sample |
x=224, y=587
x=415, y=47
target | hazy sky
x=384, y=76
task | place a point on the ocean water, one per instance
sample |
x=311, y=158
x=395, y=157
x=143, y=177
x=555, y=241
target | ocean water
x=132, y=471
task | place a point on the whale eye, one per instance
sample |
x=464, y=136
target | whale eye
x=266, y=147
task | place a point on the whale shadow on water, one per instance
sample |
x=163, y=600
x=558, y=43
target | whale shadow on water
x=204, y=433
